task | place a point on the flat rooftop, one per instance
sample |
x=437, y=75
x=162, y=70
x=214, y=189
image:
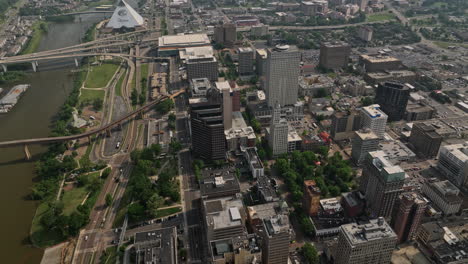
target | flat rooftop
x=223, y=212
x=156, y=246
x=459, y=151
x=276, y=224
x=366, y=134
x=379, y=58
x=374, y=111
x=381, y=161
x=219, y=182
x=184, y=40
x=395, y=150
x=374, y=230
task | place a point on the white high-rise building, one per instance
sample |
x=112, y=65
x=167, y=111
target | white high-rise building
x=453, y=163
x=282, y=73
x=225, y=89
x=374, y=119
x=278, y=134
x=364, y=142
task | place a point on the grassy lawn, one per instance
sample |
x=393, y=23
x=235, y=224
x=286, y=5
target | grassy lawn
x=109, y=256
x=168, y=211
x=100, y=75
x=445, y=45
x=90, y=95
x=72, y=198
x=39, y=29
x=118, y=87
x=380, y=17
x=144, y=70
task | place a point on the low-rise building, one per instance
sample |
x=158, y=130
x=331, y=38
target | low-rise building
x=367, y=243
x=255, y=164
x=315, y=85
x=444, y=195
x=311, y=198
x=365, y=33
x=239, y=135
x=453, y=163
x=156, y=246
x=170, y=45
x=265, y=190
x=219, y=183
x=425, y=140
x=380, y=63
x=404, y=76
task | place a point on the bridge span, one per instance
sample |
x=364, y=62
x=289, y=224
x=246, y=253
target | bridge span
x=103, y=129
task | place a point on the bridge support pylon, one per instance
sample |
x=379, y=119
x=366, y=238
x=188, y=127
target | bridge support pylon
x=76, y=63
x=5, y=69
x=108, y=132
x=89, y=140
x=34, y=66
x=27, y=154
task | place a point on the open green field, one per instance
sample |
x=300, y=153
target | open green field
x=39, y=29
x=375, y=17
x=90, y=95
x=72, y=198
x=100, y=75
x=118, y=86
x=445, y=45
x=168, y=211
x=144, y=70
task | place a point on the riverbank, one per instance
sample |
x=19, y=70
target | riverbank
x=39, y=29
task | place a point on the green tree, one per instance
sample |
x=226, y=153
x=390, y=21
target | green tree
x=134, y=97
x=367, y=101
x=109, y=199
x=97, y=104
x=310, y=253
x=154, y=203
x=165, y=106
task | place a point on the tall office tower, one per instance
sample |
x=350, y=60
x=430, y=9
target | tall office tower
x=236, y=96
x=207, y=128
x=311, y=199
x=278, y=134
x=393, y=99
x=361, y=3
x=384, y=183
x=225, y=90
x=344, y=124
x=260, y=61
x=276, y=237
x=230, y=34
x=205, y=66
x=407, y=215
x=219, y=34
x=374, y=119
x=364, y=141
x=282, y=73
x=225, y=34
x=453, y=163
x=334, y=55
x=246, y=61
x=365, y=33
x=369, y=243
x=425, y=140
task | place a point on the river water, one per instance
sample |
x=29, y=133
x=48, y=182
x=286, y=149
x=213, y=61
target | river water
x=31, y=118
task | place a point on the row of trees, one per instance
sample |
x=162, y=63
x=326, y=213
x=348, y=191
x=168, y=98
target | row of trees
x=148, y=197
x=331, y=174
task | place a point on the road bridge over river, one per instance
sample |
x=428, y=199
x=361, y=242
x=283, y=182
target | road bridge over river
x=103, y=129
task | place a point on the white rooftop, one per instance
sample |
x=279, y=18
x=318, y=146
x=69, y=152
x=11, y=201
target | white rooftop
x=125, y=16
x=374, y=111
x=184, y=40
